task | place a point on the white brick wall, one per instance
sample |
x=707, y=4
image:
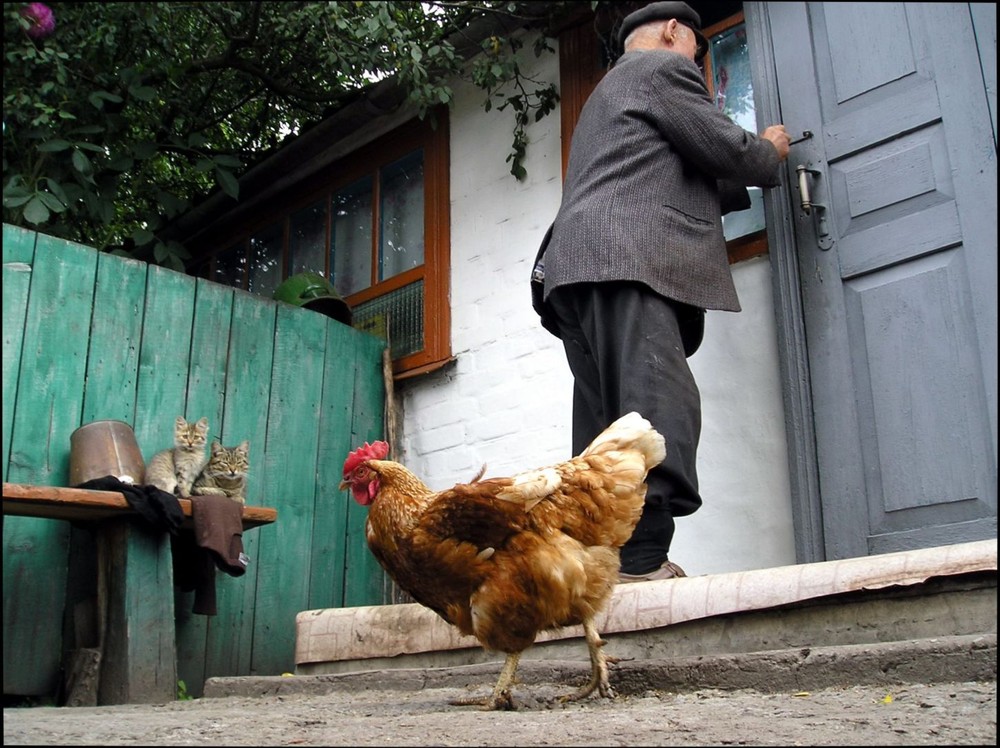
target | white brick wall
x=506, y=401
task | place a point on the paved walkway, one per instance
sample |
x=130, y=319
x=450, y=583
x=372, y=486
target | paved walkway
x=932, y=692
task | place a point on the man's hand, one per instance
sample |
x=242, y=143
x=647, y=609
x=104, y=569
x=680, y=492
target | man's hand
x=777, y=135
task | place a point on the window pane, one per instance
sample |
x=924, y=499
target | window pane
x=734, y=96
x=307, y=240
x=265, y=260
x=397, y=316
x=401, y=245
x=351, y=238
x=230, y=265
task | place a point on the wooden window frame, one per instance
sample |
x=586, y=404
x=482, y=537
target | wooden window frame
x=430, y=134
x=581, y=69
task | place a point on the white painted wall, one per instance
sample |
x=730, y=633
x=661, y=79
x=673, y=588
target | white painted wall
x=506, y=401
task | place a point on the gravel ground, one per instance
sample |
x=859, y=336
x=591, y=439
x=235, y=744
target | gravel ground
x=962, y=713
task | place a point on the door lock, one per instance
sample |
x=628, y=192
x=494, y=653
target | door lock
x=806, y=134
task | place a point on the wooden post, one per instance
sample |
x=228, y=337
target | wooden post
x=135, y=593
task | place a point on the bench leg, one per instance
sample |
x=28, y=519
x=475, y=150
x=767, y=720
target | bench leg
x=137, y=630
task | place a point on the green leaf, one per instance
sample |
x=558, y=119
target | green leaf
x=16, y=202
x=230, y=161
x=57, y=190
x=35, y=211
x=143, y=93
x=81, y=163
x=51, y=202
x=87, y=130
x=106, y=210
x=229, y=184
x=97, y=99
x=53, y=146
x=141, y=237
x=178, y=249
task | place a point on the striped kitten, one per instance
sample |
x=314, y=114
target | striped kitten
x=174, y=470
x=226, y=472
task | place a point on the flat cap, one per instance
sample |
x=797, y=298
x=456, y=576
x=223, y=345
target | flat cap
x=664, y=11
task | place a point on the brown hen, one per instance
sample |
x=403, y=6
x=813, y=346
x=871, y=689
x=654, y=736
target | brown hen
x=503, y=559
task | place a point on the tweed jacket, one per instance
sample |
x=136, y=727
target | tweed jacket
x=641, y=199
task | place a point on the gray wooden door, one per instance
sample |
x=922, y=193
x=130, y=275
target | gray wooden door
x=898, y=271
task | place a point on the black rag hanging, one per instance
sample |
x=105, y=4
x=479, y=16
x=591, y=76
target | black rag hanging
x=158, y=508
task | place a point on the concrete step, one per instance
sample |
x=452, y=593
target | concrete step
x=949, y=659
x=928, y=594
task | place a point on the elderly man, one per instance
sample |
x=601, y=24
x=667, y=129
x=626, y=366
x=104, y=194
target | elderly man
x=636, y=253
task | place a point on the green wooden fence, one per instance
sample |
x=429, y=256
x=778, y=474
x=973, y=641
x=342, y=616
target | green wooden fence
x=90, y=336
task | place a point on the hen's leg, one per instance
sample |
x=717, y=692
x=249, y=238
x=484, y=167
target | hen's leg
x=501, y=699
x=598, y=667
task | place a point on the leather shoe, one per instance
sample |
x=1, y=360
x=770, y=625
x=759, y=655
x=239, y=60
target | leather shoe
x=666, y=570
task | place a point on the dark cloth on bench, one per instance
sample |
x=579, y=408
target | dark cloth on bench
x=159, y=509
x=216, y=542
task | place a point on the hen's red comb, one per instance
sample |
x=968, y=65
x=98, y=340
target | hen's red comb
x=374, y=451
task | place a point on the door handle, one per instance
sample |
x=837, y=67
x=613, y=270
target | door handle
x=805, y=198
x=808, y=204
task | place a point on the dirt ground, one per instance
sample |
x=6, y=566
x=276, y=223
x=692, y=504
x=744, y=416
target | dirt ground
x=920, y=714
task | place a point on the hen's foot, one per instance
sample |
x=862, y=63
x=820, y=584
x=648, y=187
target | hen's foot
x=497, y=702
x=501, y=700
x=600, y=685
x=598, y=667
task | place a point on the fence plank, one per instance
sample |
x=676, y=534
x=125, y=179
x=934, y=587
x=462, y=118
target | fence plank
x=18, y=252
x=164, y=358
x=112, y=374
x=290, y=474
x=329, y=538
x=206, y=386
x=115, y=338
x=48, y=410
x=364, y=578
x=248, y=391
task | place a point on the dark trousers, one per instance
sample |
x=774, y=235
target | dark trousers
x=627, y=348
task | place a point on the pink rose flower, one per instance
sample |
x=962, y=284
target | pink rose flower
x=41, y=18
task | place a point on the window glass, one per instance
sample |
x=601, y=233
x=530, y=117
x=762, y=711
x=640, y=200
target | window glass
x=367, y=237
x=401, y=245
x=230, y=265
x=734, y=96
x=351, y=237
x=307, y=239
x=265, y=259
x=397, y=316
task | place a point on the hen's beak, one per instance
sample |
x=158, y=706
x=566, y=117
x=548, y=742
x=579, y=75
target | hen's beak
x=344, y=485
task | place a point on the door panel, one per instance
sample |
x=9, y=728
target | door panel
x=897, y=267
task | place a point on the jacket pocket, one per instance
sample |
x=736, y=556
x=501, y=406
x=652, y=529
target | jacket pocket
x=687, y=214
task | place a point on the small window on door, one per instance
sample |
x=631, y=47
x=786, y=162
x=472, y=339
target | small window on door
x=727, y=73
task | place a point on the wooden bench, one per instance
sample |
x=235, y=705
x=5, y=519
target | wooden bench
x=137, y=652
x=81, y=505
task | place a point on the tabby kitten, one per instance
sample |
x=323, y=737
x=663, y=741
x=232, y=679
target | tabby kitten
x=174, y=470
x=226, y=472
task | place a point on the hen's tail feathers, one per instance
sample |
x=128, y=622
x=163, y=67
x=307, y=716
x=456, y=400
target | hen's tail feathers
x=631, y=431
